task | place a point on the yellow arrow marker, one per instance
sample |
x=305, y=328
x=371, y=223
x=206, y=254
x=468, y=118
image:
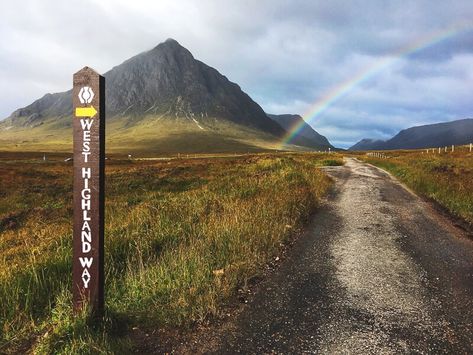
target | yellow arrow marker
x=86, y=111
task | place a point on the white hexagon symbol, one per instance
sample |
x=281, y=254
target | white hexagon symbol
x=86, y=95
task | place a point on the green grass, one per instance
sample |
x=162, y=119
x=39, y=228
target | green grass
x=181, y=236
x=150, y=135
x=332, y=162
x=445, y=178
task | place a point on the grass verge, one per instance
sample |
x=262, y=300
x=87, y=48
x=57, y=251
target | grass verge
x=445, y=178
x=180, y=237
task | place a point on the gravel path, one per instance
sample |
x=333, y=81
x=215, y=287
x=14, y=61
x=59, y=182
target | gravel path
x=378, y=272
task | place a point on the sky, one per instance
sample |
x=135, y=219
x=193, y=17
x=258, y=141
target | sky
x=287, y=55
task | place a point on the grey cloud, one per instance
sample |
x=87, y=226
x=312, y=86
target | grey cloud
x=285, y=54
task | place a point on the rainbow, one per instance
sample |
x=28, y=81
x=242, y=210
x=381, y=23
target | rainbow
x=347, y=86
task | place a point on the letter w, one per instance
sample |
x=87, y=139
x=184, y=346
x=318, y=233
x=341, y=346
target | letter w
x=86, y=124
x=86, y=262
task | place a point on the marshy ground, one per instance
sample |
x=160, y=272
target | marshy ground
x=181, y=236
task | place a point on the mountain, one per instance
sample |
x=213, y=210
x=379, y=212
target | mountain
x=457, y=132
x=368, y=144
x=162, y=100
x=306, y=135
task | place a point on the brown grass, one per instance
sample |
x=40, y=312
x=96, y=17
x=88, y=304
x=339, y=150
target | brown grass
x=181, y=235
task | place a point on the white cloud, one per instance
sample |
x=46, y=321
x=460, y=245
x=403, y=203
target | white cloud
x=285, y=54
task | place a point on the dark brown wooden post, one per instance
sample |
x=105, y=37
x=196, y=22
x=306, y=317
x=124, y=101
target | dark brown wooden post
x=88, y=101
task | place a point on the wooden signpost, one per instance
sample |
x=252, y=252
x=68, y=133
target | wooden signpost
x=88, y=102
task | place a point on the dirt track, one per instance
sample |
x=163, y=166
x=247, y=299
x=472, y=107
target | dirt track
x=378, y=271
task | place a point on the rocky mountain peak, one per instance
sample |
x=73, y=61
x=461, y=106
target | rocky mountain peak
x=171, y=41
x=164, y=81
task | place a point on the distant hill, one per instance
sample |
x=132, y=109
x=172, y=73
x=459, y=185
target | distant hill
x=162, y=100
x=306, y=136
x=428, y=136
x=368, y=144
